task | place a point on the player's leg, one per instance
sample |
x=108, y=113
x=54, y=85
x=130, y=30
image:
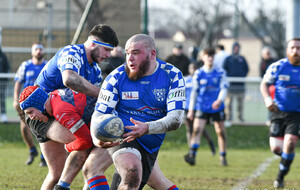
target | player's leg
x=28, y=140
x=287, y=157
x=73, y=165
x=221, y=134
x=158, y=181
x=189, y=129
x=209, y=140
x=93, y=170
x=276, y=145
x=198, y=126
x=55, y=156
x=240, y=104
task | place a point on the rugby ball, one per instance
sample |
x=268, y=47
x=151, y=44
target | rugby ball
x=107, y=128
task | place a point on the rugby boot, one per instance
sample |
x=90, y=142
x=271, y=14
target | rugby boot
x=223, y=161
x=31, y=157
x=278, y=183
x=190, y=159
x=43, y=163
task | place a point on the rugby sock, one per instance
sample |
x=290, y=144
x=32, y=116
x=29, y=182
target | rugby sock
x=42, y=156
x=223, y=154
x=174, y=187
x=193, y=149
x=33, y=149
x=284, y=166
x=63, y=184
x=98, y=183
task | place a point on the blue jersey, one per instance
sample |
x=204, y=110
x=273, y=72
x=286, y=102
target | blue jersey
x=188, y=90
x=286, y=78
x=71, y=57
x=28, y=72
x=207, y=86
x=147, y=99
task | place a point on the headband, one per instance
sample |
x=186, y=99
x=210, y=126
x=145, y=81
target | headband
x=103, y=44
x=37, y=46
x=33, y=96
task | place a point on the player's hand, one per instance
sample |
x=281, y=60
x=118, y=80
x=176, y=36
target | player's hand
x=103, y=144
x=139, y=129
x=216, y=104
x=190, y=115
x=270, y=104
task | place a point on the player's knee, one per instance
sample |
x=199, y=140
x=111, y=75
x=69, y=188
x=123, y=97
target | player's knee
x=132, y=178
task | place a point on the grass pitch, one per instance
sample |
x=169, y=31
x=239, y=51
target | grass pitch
x=248, y=154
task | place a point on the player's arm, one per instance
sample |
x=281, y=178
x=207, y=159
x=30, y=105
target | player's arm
x=223, y=92
x=74, y=81
x=17, y=90
x=194, y=95
x=264, y=90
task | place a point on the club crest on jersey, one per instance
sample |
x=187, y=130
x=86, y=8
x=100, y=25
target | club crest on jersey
x=159, y=94
x=130, y=95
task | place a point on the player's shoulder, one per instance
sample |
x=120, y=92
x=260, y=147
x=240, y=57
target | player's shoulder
x=170, y=69
x=75, y=50
x=279, y=64
x=219, y=69
x=113, y=77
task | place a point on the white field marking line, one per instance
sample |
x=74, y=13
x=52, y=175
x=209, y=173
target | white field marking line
x=259, y=170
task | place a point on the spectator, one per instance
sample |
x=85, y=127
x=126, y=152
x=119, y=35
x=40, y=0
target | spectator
x=266, y=60
x=235, y=66
x=179, y=59
x=26, y=76
x=285, y=108
x=220, y=56
x=4, y=68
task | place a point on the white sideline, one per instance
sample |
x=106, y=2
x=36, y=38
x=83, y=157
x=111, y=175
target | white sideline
x=259, y=170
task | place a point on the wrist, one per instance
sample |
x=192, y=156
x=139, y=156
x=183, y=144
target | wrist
x=268, y=101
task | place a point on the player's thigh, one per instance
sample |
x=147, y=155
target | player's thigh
x=55, y=155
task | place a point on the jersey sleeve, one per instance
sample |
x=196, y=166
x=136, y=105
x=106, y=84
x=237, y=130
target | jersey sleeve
x=176, y=95
x=70, y=59
x=20, y=74
x=108, y=96
x=270, y=74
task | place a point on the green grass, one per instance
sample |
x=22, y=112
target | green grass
x=247, y=149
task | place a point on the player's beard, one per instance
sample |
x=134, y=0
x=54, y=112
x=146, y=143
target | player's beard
x=94, y=55
x=142, y=69
x=294, y=59
x=40, y=57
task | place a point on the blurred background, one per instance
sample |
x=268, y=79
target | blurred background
x=196, y=24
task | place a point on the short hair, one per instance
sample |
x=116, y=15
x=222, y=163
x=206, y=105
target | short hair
x=220, y=46
x=209, y=51
x=148, y=40
x=105, y=33
x=294, y=39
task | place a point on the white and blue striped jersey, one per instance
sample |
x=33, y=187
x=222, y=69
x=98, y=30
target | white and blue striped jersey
x=28, y=72
x=207, y=86
x=147, y=99
x=71, y=57
x=286, y=78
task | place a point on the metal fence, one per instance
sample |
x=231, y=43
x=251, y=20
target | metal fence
x=255, y=112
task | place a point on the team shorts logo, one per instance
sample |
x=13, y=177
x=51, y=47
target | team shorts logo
x=159, y=94
x=130, y=95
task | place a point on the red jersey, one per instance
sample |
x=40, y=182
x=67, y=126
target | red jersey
x=74, y=110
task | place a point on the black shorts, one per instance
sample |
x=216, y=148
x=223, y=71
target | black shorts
x=148, y=160
x=39, y=128
x=218, y=116
x=284, y=123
